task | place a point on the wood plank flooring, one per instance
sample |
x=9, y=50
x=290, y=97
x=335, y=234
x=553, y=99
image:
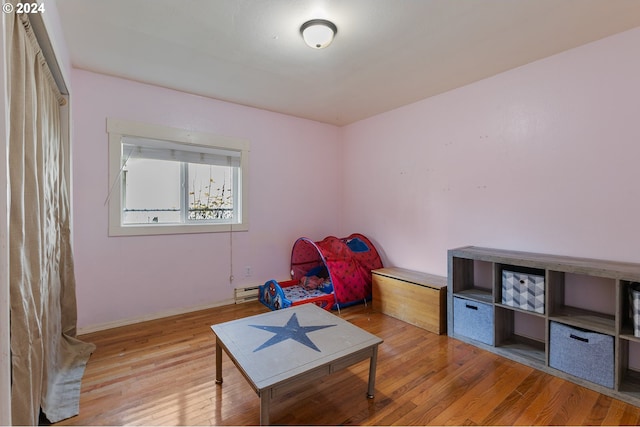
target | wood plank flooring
x=162, y=372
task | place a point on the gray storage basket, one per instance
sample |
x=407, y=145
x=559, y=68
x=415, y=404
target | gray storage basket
x=522, y=290
x=634, y=307
x=582, y=353
x=473, y=320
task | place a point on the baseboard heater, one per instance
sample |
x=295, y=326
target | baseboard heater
x=247, y=294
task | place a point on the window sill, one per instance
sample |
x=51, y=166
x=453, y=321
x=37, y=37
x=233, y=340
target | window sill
x=160, y=229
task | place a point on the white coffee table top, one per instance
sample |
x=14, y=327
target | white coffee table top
x=276, y=346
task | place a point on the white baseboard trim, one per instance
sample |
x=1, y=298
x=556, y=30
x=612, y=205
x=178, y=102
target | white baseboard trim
x=115, y=324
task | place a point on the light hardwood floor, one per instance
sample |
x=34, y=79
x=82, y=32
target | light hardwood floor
x=163, y=373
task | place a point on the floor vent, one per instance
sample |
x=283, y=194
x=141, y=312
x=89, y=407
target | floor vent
x=246, y=294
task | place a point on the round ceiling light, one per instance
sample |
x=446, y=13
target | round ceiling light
x=318, y=33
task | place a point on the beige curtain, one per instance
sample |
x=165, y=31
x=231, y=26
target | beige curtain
x=47, y=360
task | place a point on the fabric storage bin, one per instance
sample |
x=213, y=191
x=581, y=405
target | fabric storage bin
x=473, y=320
x=524, y=291
x=634, y=307
x=584, y=354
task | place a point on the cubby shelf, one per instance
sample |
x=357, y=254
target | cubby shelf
x=588, y=296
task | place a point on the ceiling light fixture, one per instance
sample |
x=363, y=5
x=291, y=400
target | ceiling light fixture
x=318, y=33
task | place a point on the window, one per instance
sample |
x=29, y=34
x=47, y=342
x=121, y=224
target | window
x=169, y=181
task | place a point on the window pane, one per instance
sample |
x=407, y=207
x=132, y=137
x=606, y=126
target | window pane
x=175, y=181
x=151, y=191
x=210, y=192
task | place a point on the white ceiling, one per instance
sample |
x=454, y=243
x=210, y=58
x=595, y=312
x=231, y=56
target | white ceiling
x=387, y=53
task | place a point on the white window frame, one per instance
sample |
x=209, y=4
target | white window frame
x=118, y=130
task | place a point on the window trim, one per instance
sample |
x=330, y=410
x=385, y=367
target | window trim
x=117, y=129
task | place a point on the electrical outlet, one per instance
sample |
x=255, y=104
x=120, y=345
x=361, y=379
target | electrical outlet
x=247, y=271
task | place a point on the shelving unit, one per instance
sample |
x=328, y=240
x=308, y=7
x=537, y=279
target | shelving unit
x=587, y=295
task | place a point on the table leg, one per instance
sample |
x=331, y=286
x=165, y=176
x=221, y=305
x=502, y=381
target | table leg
x=372, y=372
x=218, y=362
x=264, y=406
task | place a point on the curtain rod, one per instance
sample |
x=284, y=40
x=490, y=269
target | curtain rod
x=40, y=31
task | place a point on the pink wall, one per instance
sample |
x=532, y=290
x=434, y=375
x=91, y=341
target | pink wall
x=540, y=158
x=293, y=178
x=543, y=158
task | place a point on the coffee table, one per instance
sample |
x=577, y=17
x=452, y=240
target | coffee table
x=281, y=350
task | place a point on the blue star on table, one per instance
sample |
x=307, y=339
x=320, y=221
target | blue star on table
x=292, y=330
